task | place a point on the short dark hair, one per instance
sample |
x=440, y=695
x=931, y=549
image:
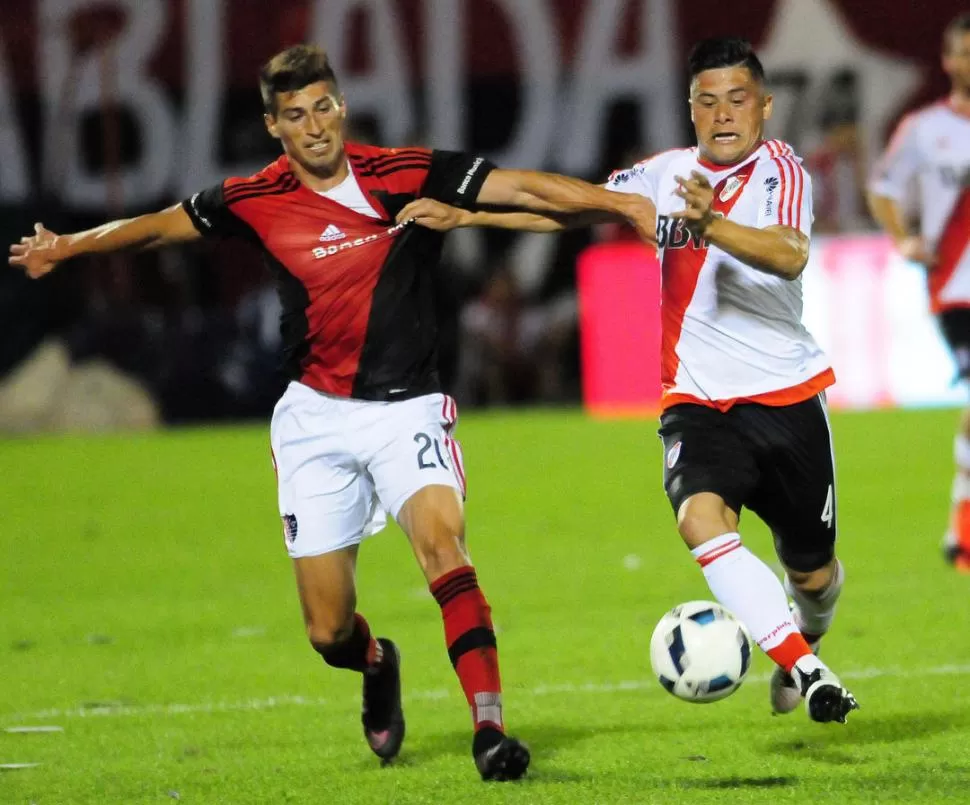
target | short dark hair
x=958, y=25
x=712, y=54
x=293, y=69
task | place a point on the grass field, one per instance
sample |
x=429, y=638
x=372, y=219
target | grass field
x=147, y=608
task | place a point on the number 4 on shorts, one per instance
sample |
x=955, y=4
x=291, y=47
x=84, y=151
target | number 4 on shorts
x=828, y=510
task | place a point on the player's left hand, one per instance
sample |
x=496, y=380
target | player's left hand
x=432, y=214
x=699, y=196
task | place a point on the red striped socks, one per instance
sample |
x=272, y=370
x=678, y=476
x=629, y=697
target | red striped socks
x=471, y=643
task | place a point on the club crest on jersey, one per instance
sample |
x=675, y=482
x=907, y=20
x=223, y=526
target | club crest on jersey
x=673, y=454
x=731, y=187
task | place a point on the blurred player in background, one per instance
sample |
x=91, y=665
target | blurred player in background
x=931, y=148
x=363, y=427
x=744, y=421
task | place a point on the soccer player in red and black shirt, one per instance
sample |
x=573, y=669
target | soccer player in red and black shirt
x=363, y=428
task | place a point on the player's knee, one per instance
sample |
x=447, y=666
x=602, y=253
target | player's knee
x=812, y=581
x=703, y=517
x=325, y=632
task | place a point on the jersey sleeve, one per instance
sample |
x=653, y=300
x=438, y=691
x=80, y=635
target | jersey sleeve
x=212, y=216
x=899, y=163
x=642, y=178
x=456, y=177
x=784, y=190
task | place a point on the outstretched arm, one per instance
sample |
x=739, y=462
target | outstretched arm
x=552, y=195
x=437, y=215
x=40, y=253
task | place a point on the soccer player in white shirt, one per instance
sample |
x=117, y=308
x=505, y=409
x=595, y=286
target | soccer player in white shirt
x=744, y=421
x=931, y=148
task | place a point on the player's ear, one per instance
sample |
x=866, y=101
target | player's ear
x=342, y=103
x=270, y=121
x=768, y=105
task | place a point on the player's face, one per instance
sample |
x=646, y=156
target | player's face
x=309, y=124
x=956, y=60
x=729, y=108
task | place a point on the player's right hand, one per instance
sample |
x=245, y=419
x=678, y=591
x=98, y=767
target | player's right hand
x=432, y=214
x=914, y=249
x=37, y=254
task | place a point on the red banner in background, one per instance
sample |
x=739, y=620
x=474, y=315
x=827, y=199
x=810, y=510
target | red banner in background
x=619, y=328
x=421, y=69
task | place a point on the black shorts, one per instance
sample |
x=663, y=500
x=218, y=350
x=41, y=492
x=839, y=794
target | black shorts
x=955, y=325
x=775, y=461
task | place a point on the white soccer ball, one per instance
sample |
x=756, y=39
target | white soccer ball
x=700, y=652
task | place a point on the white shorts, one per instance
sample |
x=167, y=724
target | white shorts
x=342, y=465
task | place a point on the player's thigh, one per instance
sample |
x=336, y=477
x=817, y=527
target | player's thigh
x=704, y=452
x=327, y=501
x=955, y=326
x=796, y=496
x=418, y=450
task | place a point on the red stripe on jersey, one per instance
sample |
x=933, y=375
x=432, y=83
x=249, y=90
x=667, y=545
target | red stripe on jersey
x=952, y=246
x=783, y=175
x=680, y=270
x=796, y=190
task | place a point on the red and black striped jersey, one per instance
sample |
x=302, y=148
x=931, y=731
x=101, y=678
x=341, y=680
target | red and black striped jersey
x=357, y=292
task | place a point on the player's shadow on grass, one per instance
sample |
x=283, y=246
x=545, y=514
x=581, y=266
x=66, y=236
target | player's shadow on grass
x=733, y=783
x=863, y=730
x=544, y=740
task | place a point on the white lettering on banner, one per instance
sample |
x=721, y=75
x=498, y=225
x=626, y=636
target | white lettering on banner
x=73, y=85
x=385, y=92
x=600, y=78
x=445, y=69
x=14, y=182
x=198, y=163
x=177, y=155
x=538, y=54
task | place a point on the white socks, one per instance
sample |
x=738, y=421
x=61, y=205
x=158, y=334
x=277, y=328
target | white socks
x=747, y=587
x=813, y=612
x=961, y=479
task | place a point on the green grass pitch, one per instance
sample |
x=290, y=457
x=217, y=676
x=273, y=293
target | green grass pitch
x=147, y=608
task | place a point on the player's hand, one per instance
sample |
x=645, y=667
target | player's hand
x=914, y=249
x=699, y=197
x=37, y=254
x=433, y=214
x=642, y=215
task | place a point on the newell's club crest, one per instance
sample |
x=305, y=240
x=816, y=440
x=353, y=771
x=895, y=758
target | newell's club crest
x=289, y=528
x=673, y=454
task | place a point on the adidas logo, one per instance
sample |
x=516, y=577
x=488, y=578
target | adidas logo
x=332, y=233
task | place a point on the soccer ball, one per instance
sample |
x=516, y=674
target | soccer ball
x=700, y=652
